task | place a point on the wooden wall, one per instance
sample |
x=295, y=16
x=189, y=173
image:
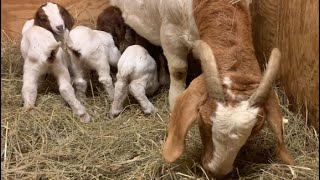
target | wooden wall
x=293, y=27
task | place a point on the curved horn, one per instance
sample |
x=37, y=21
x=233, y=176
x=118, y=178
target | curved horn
x=262, y=93
x=202, y=51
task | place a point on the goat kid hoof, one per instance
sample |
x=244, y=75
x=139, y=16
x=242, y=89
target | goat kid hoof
x=151, y=111
x=85, y=118
x=114, y=114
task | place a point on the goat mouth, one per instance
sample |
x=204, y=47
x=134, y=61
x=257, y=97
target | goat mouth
x=59, y=32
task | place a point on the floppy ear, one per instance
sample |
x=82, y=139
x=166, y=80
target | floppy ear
x=67, y=17
x=185, y=112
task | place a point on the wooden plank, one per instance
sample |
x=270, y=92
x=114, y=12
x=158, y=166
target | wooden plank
x=292, y=26
x=298, y=40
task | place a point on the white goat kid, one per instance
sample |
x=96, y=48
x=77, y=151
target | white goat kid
x=137, y=72
x=91, y=49
x=42, y=54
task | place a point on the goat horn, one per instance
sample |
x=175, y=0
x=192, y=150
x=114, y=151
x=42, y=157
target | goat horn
x=262, y=93
x=202, y=51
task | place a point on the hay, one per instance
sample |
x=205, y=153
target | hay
x=50, y=143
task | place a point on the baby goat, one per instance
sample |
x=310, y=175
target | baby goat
x=42, y=54
x=91, y=49
x=137, y=72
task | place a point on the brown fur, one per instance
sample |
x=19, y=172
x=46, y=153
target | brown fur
x=226, y=28
x=41, y=19
x=67, y=17
x=111, y=21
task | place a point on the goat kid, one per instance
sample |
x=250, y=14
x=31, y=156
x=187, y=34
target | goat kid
x=91, y=49
x=42, y=54
x=137, y=73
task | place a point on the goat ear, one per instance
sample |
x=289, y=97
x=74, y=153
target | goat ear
x=67, y=18
x=185, y=112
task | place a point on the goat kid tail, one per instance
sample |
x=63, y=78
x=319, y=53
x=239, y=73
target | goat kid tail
x=202, y=51
x=70, y=45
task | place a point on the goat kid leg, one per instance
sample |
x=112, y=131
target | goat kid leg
x=137, y=89
x=105, y=78
x=120, y=94
x=29, y=88
x=79, y=81
x=68, y=94
x=274, y=118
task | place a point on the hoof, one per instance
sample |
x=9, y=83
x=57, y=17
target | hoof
x=85, y=118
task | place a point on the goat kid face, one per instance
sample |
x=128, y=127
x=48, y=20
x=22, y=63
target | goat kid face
x=54, y=18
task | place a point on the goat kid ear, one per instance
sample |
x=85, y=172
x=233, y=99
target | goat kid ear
x=185, y=112
x=67, y=18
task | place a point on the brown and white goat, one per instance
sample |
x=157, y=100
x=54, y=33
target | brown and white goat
x=55, y=18
x=231, y=100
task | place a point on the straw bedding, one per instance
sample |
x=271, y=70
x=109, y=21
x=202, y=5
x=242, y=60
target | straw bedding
x=51, y=143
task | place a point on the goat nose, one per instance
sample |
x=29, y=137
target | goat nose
x=60, y=27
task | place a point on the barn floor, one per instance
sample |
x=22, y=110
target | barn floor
x=50, y=143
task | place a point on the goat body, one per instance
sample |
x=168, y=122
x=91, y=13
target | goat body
x=92, y=49
x=137, y=73
x=42, y=54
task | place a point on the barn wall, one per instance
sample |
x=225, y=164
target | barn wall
x=292, y=26
x=15, y=12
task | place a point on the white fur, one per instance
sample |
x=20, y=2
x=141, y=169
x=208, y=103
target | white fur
x=227, y=81
x=168, y=23
x=54, y=17
x=231, y=127
x=37, y=44
x=97, y=52
x=27, y=25
x=137, y=72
